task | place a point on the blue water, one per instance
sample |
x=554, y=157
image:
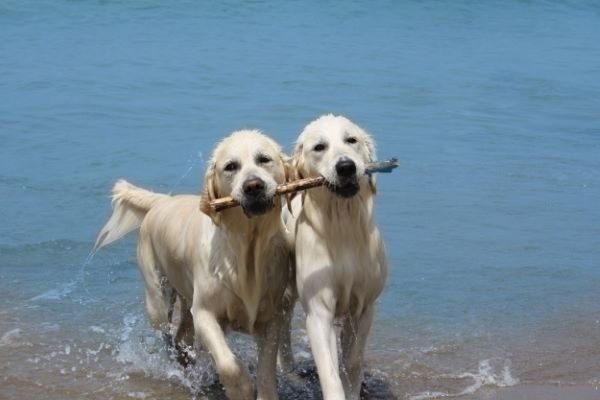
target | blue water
x=492, y=221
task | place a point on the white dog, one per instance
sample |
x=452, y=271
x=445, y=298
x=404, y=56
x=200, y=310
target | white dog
x=231, y=267
x=341, y=265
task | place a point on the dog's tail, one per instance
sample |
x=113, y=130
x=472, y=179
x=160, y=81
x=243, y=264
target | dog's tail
x=130, y=205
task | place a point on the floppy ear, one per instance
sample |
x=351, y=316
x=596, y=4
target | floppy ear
x=295, y=168
x=370, y=146
x=287, y=170
x=372, y=184
x=297, y=162
x=210, y=193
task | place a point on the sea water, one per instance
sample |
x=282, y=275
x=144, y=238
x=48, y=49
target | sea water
x=492, y=221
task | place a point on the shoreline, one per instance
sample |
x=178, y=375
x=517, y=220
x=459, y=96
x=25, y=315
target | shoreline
x=537, y=392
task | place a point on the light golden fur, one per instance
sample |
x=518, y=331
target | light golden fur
x=341, y=266
x=230, y=270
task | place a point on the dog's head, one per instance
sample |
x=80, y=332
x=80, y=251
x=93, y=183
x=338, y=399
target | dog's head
x=248, y=166
x=336, y=148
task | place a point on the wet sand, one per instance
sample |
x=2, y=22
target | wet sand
x=539, y=392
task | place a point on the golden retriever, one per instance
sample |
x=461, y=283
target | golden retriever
x=229, y=269
x=341, y=267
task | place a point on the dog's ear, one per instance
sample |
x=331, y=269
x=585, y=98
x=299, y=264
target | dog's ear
x=287, y=162
x=288, y=172
x=210, y=193
x=298, y=162
x=296, y=167
x=370, y=148
x=372, y=184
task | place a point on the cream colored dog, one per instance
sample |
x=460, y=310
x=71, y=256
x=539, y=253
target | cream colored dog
x=231, y=267
x=341, y=265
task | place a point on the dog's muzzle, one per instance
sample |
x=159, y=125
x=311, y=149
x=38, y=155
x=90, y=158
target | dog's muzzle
x=347, y=181
x=255, y=200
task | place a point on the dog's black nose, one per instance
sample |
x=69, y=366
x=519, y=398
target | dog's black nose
x=345, y=167
x=253, y=187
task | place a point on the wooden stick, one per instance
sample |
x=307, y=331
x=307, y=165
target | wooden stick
x=224, y=203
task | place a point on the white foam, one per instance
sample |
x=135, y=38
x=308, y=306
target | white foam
x=302, y=354
x=97, y=329
x=56, y=294
x=137, y=395
x=142, y=350
x=429, y=395
x=50, y=326
x=10, y=337
x=491, y=372
x=486, y=376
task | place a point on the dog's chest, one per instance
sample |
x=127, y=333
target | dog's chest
x=254, y=285
x=359, y=270
x=356, y=263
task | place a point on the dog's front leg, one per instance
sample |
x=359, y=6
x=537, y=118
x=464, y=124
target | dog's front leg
x=285, y=356
x=321, y=334
x=354, y=339
x=232, y=373
x=267, y=340
x=184, y=338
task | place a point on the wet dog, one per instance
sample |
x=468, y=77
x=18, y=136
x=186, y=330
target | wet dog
x=341, y=265
x=228, y=269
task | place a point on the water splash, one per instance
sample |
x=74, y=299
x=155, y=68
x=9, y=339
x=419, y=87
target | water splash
x=487, y=376
x=140, y=349
x=191, y=163
x=10, y=337
x=82, y=270
x=67, y=288
x=491, y=372
x=57, y=293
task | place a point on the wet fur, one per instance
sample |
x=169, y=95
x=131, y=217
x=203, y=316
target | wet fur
x=341, y=265
x=228, y=270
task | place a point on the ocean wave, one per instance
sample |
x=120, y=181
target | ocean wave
x=57, y=293
x=45, y=245
x=10, y=337
x=493, y=372
x=490, y=375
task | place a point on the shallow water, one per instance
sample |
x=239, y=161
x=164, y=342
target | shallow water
x=492, y=221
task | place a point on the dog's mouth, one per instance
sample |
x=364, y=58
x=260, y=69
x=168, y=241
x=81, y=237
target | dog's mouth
x=253, y=207
x=346, y=189
x=256, y=199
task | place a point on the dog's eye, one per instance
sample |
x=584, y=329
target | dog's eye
x=320, y=147
x=351, y=140
x=232, y=166
x=262, y=159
